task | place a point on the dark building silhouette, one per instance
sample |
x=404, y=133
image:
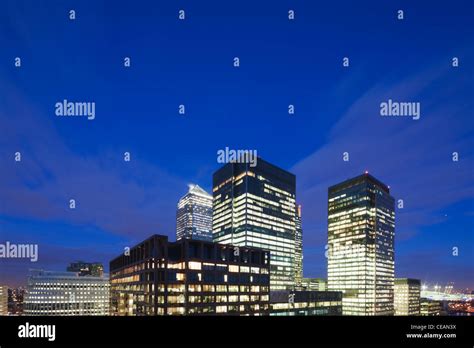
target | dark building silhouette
x=189, y=277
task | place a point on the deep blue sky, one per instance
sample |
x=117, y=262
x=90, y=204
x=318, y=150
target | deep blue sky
x=190, y=62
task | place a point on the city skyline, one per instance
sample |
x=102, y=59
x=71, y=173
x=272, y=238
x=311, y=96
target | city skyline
x=297, y=212
x=173, y=63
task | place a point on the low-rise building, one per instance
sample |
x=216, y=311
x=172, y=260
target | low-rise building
x=297, y=303
x=65, y=294
x=190, y=277
x=407, y=296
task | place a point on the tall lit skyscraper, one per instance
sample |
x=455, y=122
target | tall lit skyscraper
x=298, y=247
x=407, y=296
x=194, y=215
x=255, y=207
x=361, y=229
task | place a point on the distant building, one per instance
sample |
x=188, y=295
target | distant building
x=190, y=277
x=361, y=231
x=254, y=206
x=314, y=284
x=86, y=268
x=3, y=300
x=407, y=296
x=430, y=307
x=298, y=247
x=15, y=300
x=302, y=303
x=66, y=294
x=194, y=215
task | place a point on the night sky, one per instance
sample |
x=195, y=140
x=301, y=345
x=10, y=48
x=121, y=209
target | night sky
x=190, y=62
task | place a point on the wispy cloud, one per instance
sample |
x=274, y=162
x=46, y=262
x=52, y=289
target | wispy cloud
x=413, y=157
x=126, y=198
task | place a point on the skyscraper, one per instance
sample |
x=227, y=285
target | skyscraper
x=298, y=247
x=254, y=206
x=361, y=229
x=194, y=215
x=407, y=296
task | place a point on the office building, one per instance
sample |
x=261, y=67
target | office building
x=86, y=268
x=15, y=300
x=66, y=294
x=303, y=303
x=254, y=206
x=407, y=296
x=314, y=284
x=361, y=229
x=298, y=247
x=194, y=215
x=430, y=307
x=3, y=300
x=190, y=277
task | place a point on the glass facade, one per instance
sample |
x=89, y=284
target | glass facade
x=189, y=277
x=361, y=229
x=298, y=247
x=407, y=296
x=255, y=207
x=194, y=215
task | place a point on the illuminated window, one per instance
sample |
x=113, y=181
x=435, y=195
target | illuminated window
x=221, y=309
x=194, y=265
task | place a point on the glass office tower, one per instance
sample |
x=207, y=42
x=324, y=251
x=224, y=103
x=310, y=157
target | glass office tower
x=361, y=228
x=298, y=247
x=255, y=207
x=194, y=215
